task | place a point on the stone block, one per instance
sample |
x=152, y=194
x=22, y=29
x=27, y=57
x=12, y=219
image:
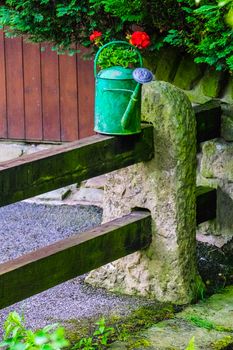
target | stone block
x=208, y=118
x=217, y=160
x=167, y=64
x=150, y=61
x=212, y=83
x=166, y=186
x=227, y=109
x=225, y=209
x=188, y=73
x=227, y=127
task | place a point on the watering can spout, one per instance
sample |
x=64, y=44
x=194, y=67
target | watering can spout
x=126, y=118
x=141, y=76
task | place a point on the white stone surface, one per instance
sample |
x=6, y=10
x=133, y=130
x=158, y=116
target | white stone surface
x=97, y=182
x=10, y=151
x=88, y=196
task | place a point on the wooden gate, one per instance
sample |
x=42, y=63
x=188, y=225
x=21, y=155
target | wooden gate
x=44, y=96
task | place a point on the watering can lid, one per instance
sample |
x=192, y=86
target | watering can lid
x=116, y=73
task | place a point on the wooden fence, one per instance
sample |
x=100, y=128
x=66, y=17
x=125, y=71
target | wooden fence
x=50, y=169
x=63, y=165
x=44, y=96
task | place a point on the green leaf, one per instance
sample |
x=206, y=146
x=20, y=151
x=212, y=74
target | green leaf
x=191, y=345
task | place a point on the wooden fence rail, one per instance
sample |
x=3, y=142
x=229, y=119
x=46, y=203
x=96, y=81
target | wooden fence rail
x=74, y=162
x=71, y=257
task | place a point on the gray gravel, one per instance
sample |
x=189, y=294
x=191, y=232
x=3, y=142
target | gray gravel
x=26, y=227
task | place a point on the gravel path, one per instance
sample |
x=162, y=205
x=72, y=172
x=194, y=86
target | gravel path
x=26, y=227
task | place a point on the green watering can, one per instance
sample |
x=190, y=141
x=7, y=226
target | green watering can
x=118, y=96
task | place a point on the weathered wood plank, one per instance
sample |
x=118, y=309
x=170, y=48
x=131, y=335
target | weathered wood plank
x=206, y=204
x=3, y=101
x=50, y=94
x=86, y=88
x=66, y=259
x=71, y=163
x=14, y=88
x=32, y=91
x=68, y=97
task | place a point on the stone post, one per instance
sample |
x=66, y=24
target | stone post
x=165, y=186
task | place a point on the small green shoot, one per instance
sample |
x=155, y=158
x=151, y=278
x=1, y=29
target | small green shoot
x=99, y=340
x=191, y=344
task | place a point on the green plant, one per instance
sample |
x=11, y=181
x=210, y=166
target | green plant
x=117, y=56
x=127, y=11
x=99, y=339
x=51, y=337
x=191, y=344
x=203, y=323
x=63, y=23
x=17, y=337
x=205, y=34
x=200, y=27
x=120, y=54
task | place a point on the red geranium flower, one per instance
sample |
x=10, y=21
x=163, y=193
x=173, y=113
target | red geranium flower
x=140, y=40
x=95, y=35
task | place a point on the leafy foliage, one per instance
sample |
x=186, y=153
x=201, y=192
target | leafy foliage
x=131, y=11
x=112, y=56
x=17, y=337
x=205, y=34
x=204, y=30
x=204, y=323
x=60, y=22
x=99, y=339
x=51, y=337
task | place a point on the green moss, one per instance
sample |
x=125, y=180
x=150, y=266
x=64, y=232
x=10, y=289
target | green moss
x=138, y=344
x=76, y=330
x=223, y=343
x=204, y=323
x=126, y=328
x=209, y=148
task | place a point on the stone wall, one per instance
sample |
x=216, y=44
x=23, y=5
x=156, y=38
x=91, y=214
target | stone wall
x=200, y=82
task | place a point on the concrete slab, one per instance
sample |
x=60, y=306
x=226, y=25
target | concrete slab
x=10, y=151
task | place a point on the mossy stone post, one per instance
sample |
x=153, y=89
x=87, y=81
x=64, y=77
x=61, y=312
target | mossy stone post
x=165, y=186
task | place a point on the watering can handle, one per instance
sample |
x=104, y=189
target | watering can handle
x=114, y=43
